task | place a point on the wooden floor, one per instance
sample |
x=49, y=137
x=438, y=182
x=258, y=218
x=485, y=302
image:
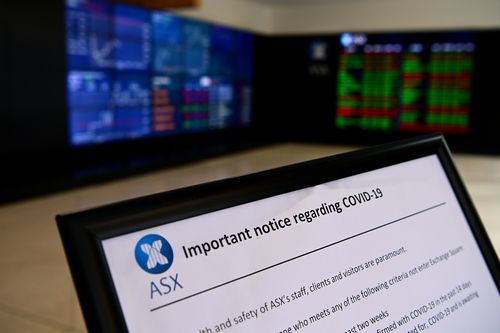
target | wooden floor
x=36, y=291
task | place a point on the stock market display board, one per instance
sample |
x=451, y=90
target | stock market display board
x=136, y=73
x=407, y=82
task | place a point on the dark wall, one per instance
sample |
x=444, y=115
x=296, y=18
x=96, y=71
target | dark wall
x=33, y=116
x=3, y=76
x=35, y=75
x=291, y=102
x=485, y=120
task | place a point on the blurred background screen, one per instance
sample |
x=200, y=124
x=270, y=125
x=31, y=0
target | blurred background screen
x=136, y=73
x=405, y=82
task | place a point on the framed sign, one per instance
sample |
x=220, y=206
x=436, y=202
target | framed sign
x=380, y=240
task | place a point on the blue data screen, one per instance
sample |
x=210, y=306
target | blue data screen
x=136, y=73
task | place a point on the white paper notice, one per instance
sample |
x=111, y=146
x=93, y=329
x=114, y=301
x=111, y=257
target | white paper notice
x=384, y=251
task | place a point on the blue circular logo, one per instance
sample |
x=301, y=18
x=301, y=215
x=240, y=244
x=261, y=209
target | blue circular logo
x=346, y=40
x=154, y=254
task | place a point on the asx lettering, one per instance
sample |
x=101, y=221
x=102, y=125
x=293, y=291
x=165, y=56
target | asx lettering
x=165, y=286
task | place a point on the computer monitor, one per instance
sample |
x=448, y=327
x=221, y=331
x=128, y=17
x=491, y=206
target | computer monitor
x=384, y=239
x=135, y=73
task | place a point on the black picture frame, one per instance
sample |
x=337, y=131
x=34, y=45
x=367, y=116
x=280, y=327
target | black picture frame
x=82, y=233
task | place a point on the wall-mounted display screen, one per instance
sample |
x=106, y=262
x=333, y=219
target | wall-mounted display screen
x=136, y=73
x=408, y=82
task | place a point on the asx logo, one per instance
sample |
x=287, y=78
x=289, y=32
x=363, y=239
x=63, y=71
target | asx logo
x=154, y=254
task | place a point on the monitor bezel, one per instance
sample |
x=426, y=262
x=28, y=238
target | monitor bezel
x=82, y=233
